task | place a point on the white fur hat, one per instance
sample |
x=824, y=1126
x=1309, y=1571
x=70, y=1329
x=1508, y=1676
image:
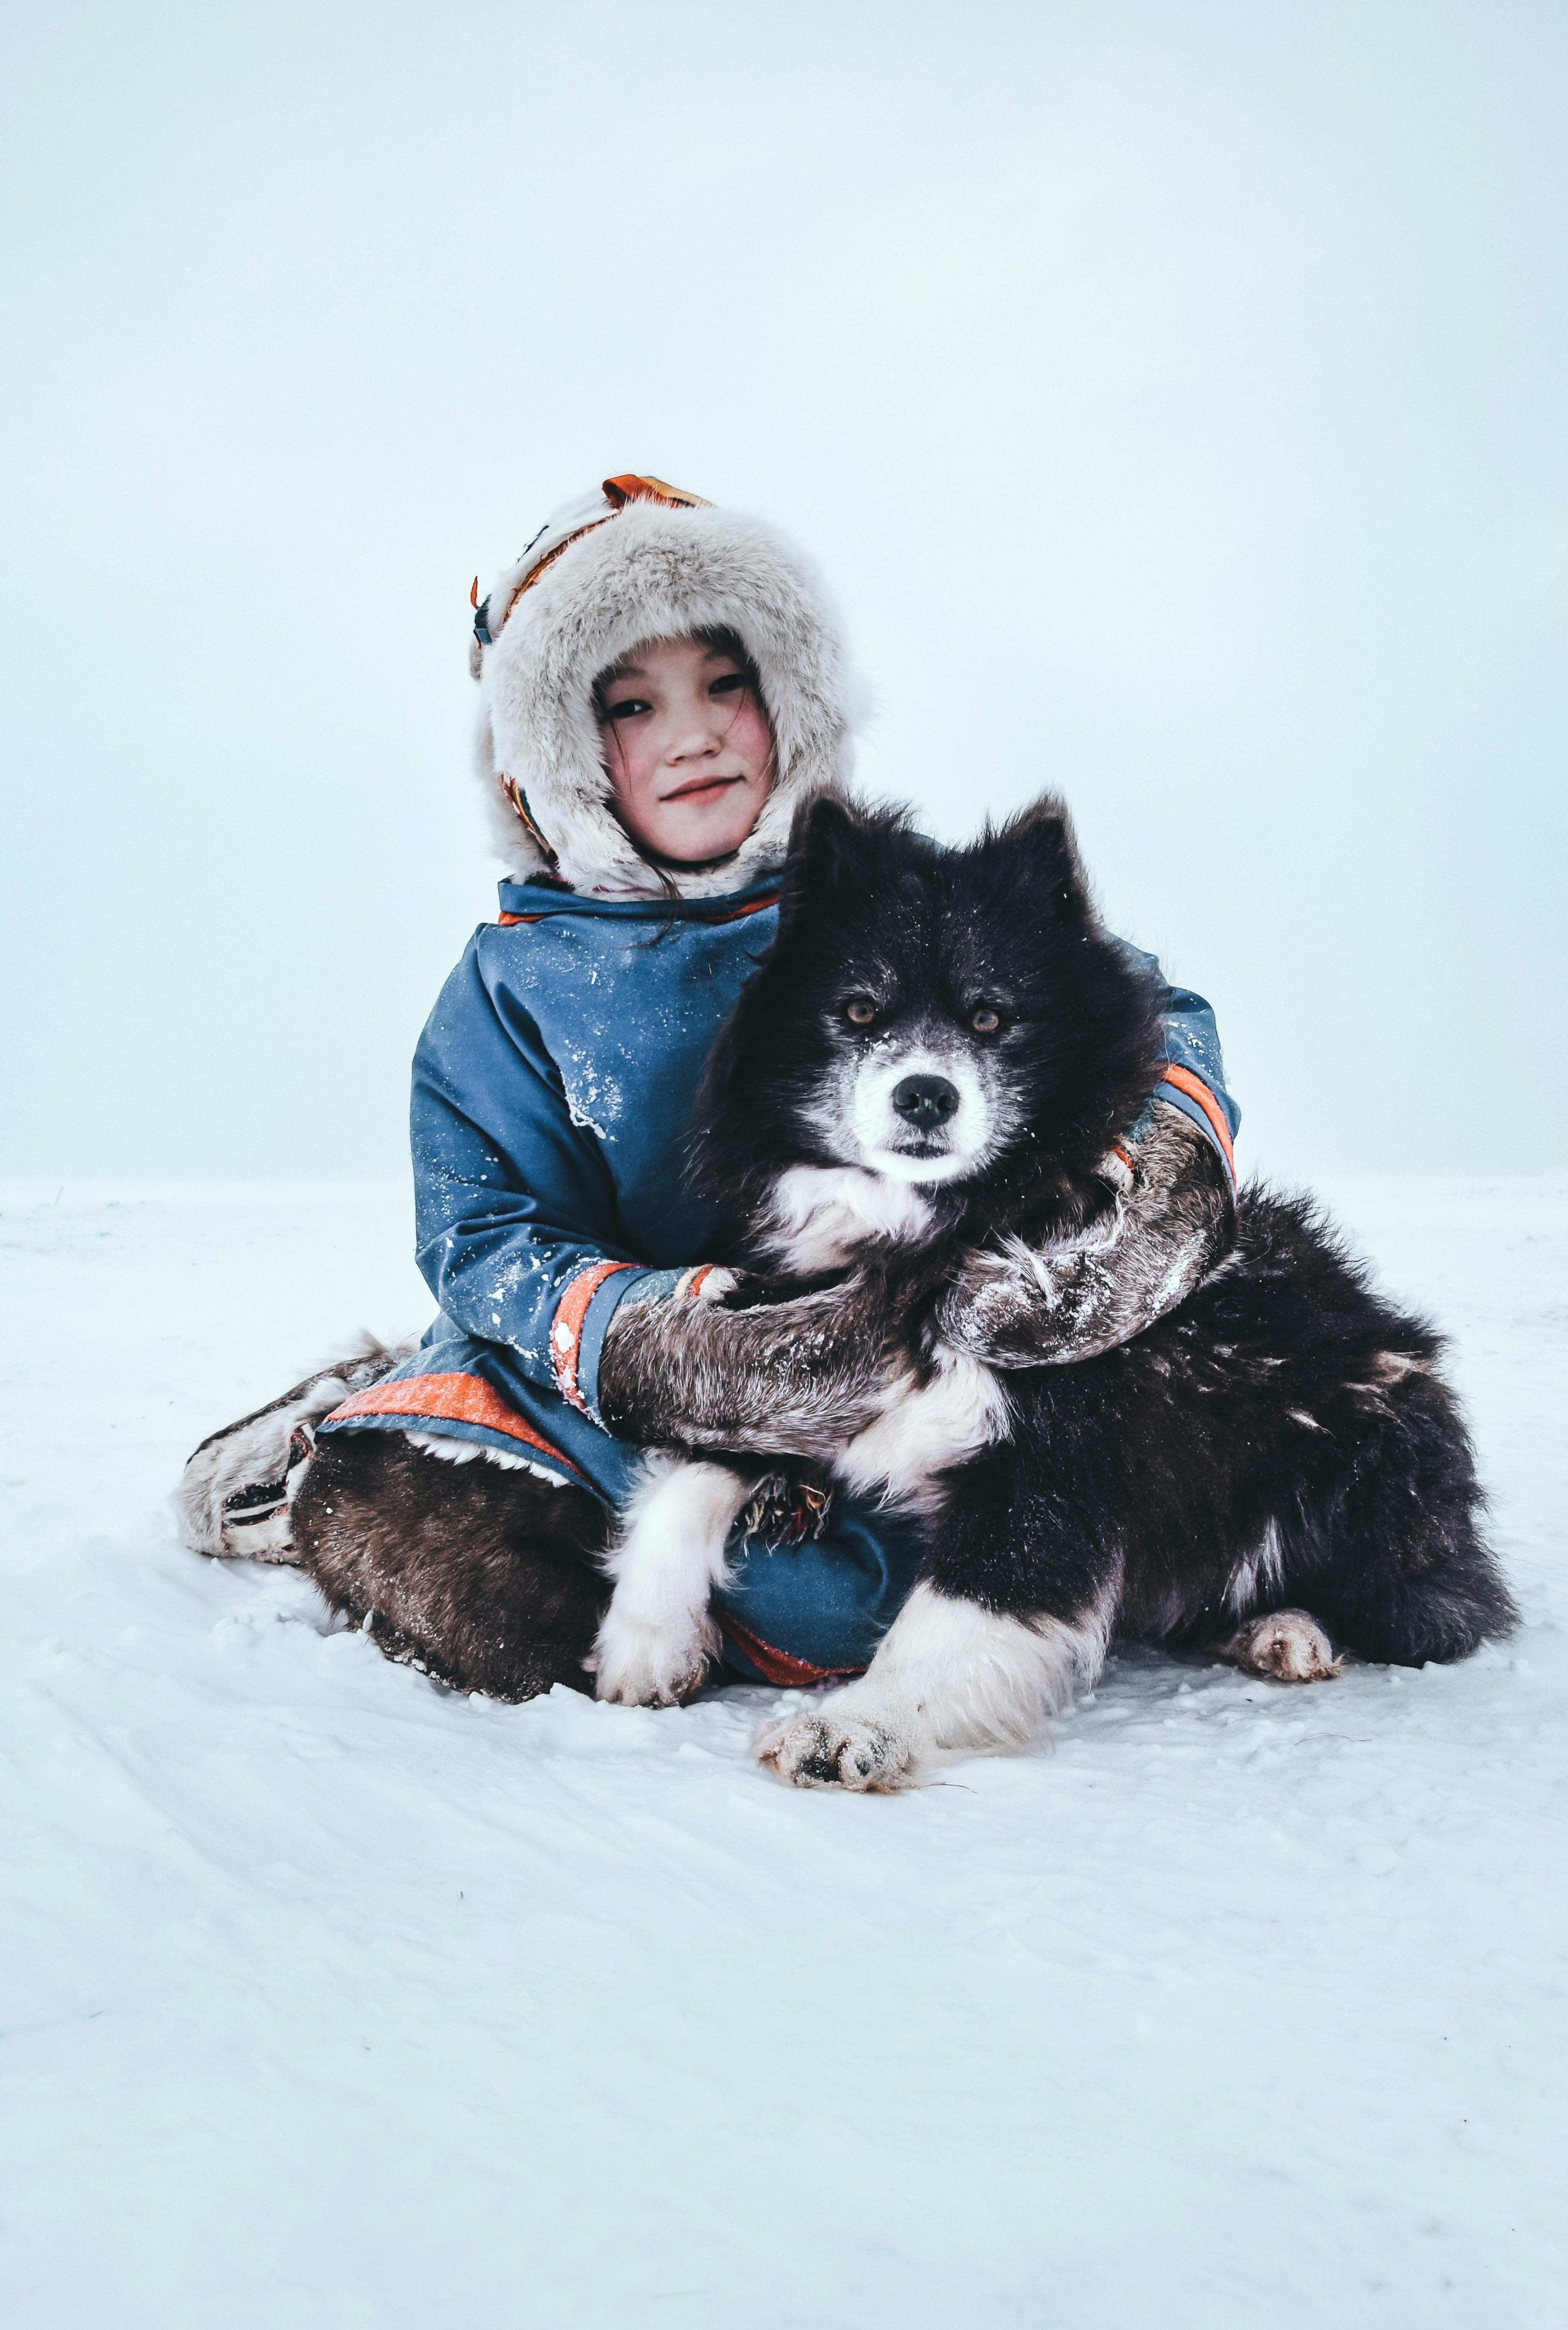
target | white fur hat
x=641, y=561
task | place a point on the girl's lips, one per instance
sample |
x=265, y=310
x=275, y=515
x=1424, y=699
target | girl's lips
x=701, y=785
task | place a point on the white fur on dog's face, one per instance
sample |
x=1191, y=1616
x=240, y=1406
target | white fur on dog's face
x=853, y=1109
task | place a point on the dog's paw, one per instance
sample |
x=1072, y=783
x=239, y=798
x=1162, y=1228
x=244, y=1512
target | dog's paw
x=1288, y=1645
x=649, y=1662
x=837, y=1747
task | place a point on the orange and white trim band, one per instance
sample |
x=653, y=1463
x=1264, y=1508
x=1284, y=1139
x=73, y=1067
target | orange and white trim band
x=566, y=1329
x=1196, y=1090
x=451, y=1400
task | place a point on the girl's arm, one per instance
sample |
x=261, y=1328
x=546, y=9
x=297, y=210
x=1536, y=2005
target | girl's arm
x=517, y=1238
x=1173, y=1220
x=513, y=1203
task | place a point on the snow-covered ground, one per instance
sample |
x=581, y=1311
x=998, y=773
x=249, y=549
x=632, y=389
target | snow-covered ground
x=331, y=1999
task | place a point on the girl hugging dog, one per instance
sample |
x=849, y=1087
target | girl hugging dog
x=665, y=690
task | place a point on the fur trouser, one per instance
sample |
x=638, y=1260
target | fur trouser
x=486, y=1578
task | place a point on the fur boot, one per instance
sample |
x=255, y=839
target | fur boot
x=236, y=1492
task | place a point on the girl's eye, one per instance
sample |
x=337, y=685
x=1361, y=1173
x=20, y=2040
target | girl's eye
x=731, y=685
x=986, y=1021
x=629, y=707
x=861, y=1009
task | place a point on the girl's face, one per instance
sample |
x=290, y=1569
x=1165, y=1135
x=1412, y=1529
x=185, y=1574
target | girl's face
x=687, y=748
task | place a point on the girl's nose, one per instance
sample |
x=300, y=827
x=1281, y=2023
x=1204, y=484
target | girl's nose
x=694, y=742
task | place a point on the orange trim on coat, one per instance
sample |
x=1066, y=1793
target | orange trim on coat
x=779, y=1666
x=1196, y=1089
x=737, y=914
x=459, y=1398
x=566, y=1329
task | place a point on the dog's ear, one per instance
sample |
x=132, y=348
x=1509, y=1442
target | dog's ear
x=1039, y=848
x=831, y=848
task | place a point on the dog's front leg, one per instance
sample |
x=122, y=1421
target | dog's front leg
x=949, y=1675
x=658, y=1635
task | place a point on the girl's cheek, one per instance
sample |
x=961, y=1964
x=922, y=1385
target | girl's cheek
x=628, y=776
x=751, y=734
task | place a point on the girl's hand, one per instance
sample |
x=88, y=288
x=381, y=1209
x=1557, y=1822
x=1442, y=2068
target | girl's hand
x=1020, y=1306
x=791, y=1378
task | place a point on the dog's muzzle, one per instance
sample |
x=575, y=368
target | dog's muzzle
x=925, y=1101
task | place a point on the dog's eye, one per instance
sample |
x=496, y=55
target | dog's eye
x=986, y=1021
x=861, y=1009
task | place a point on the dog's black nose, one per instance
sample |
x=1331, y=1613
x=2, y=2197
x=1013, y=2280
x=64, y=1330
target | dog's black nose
x=925, y=1101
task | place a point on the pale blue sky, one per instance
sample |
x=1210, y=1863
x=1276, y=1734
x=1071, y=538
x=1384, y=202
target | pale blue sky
x=1174, y=396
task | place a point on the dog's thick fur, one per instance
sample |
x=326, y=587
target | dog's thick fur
x=1276, y=1467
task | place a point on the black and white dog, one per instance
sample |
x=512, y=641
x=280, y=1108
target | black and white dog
x=939, y=1053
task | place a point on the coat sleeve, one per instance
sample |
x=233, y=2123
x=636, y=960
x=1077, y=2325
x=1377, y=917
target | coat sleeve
x=1193, y=1072
x=517, y=1233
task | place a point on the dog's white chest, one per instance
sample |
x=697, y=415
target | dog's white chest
x=820, y=1218
x=924, y=1428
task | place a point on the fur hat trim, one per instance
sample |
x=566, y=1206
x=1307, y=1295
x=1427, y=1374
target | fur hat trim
x=642, y=561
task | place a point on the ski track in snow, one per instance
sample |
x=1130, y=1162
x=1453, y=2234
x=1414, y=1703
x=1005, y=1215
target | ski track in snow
x=333, y=1999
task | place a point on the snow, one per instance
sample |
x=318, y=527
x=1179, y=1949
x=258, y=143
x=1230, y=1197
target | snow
x=335, y=2000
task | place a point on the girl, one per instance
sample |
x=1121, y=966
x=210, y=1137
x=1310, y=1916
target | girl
x=664, y=687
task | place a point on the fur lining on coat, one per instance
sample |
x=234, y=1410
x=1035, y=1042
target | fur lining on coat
x=655, y=571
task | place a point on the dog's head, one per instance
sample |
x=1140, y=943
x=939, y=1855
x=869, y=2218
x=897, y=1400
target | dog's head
x=945, y=1020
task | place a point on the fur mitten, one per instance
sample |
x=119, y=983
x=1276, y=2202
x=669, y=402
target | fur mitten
x=792, y=1379
x=1173, y=1220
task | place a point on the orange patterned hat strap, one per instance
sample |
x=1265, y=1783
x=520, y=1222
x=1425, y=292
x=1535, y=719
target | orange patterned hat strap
x=546, y=564
x=617, y=492
x=630, y=488
x=519, y=800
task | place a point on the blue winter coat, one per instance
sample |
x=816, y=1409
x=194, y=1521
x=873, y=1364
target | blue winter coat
x=553, y=1090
